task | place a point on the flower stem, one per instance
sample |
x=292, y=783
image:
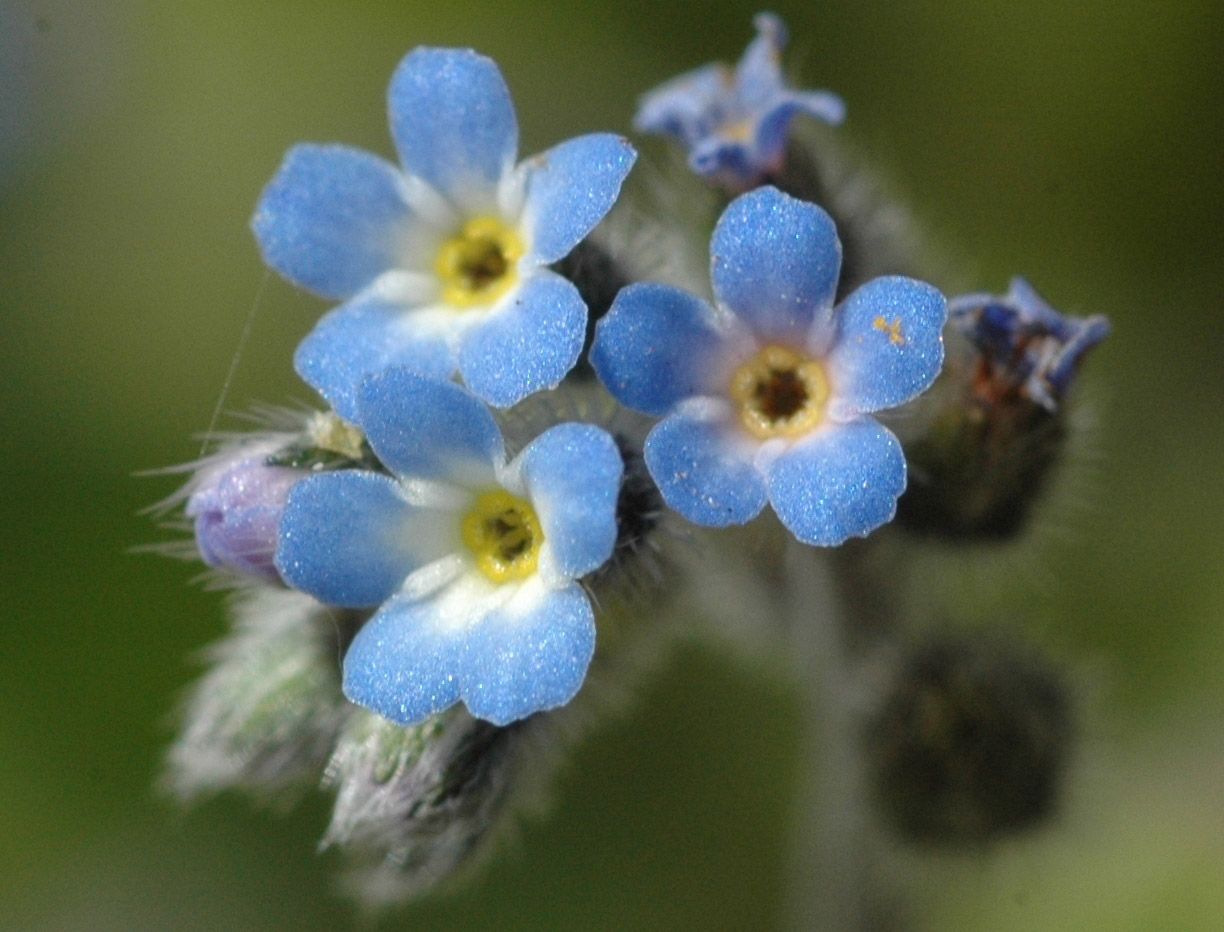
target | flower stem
x=838, y=626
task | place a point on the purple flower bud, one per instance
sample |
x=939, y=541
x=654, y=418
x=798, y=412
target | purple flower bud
x=237, y=507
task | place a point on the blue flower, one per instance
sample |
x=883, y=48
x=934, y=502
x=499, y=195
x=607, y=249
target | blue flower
x=472, y=562
x=441, y=266
x=1026, y=346
x=735, y=123
x=767, y=395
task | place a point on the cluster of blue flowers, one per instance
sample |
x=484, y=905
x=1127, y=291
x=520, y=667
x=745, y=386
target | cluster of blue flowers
x=529, y=423
x=475, y=566
x=473, y=563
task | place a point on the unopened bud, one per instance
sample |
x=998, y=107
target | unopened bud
x=1026, y=349
x=236, y=505
x=971, y=743
x=418, y=804
x=995, y=427
x=266, y=714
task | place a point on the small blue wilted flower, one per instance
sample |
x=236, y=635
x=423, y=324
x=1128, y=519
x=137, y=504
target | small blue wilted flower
x=474, y=563
x=1026, y=346
x=236, y=505
x=767, y=396
x=734, y=123
x=441, y=266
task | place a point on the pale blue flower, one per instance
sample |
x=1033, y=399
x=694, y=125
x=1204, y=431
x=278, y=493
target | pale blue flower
x=767, y=395
x=474, y=563
x=734, y=122
x=442, y=266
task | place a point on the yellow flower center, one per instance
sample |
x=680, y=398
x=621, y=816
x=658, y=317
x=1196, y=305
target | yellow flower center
x=503, y=534
x=741, y=130
x=780, y=393
x=478, y=264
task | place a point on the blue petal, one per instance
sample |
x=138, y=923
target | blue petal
x=532, y=654
x=429, y=429
x=570, y=188
x=773, y=129
x=702, y=467
x=344, y=538
x=332, y=219
x=843, y=481
x=365, y=336
x=758, y=75
x=572, y=474
x=889, y=345
x=1033, y=306
x=453, y=122
x=656, y=346
x=687, y=107
x=404, y=662
x=525, y=344
x=774, y=261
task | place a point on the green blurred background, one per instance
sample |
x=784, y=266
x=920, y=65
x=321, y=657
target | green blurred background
x=1078, y=143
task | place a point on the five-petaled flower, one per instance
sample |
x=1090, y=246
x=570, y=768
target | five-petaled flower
x=767, y=395
x=1025, y=347
x=473, y=562
x=441, y=266
x=734, y=123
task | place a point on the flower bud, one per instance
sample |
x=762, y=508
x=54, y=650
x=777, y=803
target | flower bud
x=418, y=803
x=971, y=742
x=266, y=714
x=996, y=426
x=237, y=505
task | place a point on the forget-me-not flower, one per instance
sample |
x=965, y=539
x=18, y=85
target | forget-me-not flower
x=441, y=265
x=1026, y=345
x=473, y=562
x=768, y=394
x=734, y=122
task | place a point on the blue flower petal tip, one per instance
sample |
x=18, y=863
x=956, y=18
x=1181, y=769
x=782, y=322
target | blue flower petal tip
x=844, y=482
x=767, y=398
x=473, y=562
x=1029, y=348
x=529, y=657
x=445, y=250
x=734, y=123
x=402, y=664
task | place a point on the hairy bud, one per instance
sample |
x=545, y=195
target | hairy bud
x=236, y=507
x=265, y=715
x=971, y=742
x=416, y=804
x=996, y=427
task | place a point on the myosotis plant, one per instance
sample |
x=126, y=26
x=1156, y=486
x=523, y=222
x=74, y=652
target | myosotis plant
x=440, y=572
